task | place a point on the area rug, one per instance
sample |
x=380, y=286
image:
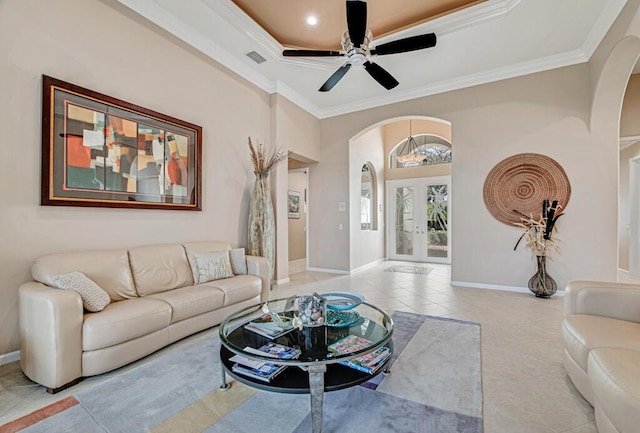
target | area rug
x=434, y=387
x=421, y=270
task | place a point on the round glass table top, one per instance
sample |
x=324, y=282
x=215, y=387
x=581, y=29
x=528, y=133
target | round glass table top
x=365, y=324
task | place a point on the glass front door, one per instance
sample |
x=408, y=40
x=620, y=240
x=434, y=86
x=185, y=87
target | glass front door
x=419, y=219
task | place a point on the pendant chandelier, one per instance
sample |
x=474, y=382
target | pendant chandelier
x=408, y=151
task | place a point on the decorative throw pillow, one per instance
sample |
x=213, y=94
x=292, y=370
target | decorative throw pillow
x=94, y=298
x=238, y=261
x=213, y=266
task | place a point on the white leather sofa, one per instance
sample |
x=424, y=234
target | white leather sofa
x=154, y=302
x=601, y=332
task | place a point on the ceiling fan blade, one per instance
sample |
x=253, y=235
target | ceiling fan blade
x=412, y=43
x=333, y=79
x=310, y=53
x=379, y=74
x=357, y=21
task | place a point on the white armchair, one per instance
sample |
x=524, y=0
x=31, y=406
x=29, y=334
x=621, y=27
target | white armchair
x=601, y=332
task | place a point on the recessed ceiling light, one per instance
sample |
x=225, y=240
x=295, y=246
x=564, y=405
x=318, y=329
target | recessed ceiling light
x=312, y=20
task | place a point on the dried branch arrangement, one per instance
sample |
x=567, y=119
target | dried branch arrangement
x=263, y=160
x=537, y=232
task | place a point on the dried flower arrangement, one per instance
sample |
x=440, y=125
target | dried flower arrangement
x=263, y=161
x=537, y=232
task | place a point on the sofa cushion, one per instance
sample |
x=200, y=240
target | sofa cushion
x=94, y=298
x=238, y=289
x=202, y=247
x=158, y=268
x=583, y=333
x=123, y=321
x=213, y=266
x=108, y=268
x=238, y=261
x=191, y=301
x=614, y=379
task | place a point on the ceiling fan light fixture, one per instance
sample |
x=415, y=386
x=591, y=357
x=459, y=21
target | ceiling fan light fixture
x=355, y=47
x=357, y=59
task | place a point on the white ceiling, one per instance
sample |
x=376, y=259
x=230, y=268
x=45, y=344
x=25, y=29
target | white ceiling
x=494, y=40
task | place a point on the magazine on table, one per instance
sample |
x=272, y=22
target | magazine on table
x=264, y=371
x=275, y=350
x=349, y=344
x=369, y=363
x=266, y=327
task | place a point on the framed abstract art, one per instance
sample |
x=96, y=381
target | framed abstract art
x=104, y=152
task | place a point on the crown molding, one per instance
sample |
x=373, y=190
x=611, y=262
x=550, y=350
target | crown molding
x=169, y=22
x=511, y=71
x=296, y=98
x=466, y=17
x=442, y=25
x=243, y=22
x=446, y=24
x=602, y=25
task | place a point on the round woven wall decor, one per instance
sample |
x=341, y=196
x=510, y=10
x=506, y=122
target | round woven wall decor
x=522, y=182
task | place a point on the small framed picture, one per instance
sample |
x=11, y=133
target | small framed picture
x=294, y=204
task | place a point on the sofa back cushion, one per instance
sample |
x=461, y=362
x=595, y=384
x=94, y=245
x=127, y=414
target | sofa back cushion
x=158, y=268
x=193, y=249
x=109, y=269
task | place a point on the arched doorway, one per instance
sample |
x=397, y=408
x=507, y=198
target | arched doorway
x=377, y=145
x=605, y=128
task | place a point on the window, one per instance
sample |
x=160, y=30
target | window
x=436, y=150
x=368, y=195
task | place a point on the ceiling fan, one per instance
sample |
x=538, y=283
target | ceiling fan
x=355, y=46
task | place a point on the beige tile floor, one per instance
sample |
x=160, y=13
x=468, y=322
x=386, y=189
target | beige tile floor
x=526, y=389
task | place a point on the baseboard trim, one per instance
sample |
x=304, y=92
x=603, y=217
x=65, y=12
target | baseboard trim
x=328, y=271
x=497, y=287
x=9, y=357
x=282, y=281
x=295, y=262
x=368, y=265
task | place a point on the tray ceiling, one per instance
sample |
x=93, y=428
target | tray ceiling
x=478, y=42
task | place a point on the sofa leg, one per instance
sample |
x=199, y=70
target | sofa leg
x=63, y=387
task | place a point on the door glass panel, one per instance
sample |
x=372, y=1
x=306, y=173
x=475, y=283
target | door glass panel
x=404, y=220
x=437, y=221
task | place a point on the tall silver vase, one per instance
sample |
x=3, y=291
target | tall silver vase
x=262, y=228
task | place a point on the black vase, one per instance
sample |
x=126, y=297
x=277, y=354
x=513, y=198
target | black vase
x=541, y=284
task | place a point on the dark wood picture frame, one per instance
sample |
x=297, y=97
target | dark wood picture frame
x=99, y=151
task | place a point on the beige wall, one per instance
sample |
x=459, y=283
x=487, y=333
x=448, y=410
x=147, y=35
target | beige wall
x=296, y=131
x=366, y=246
x=110, y=50
x=570, y=114
x=296, y=226
x=545, y=113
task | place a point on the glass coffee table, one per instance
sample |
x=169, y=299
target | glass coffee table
x=316, y=370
